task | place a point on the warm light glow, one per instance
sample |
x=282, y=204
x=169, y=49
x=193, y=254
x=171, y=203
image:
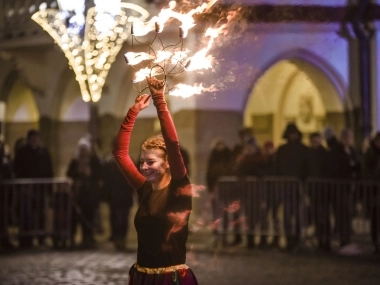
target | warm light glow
x=186, y=19
x=91, y=54
x=185, y=91
x=70, y=5
x=109, y=6
x=179, y=220
x=142, y=74
x=168, y=61
x=135, y=58
x=106, y=11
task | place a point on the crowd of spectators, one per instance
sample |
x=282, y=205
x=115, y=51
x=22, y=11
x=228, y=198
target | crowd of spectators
x=324, y=155
x=93, y=179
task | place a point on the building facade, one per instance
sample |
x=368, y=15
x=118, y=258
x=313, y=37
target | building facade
x=315, y=63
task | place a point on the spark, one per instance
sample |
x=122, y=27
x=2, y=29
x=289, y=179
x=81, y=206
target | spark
x=191, y=190
x=233, y=207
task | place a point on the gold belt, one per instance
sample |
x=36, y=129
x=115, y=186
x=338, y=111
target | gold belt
x=160, y=270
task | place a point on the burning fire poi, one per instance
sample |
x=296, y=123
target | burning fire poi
x=167, y=62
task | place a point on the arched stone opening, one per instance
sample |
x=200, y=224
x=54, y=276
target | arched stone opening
x=21, y=112
x=294, y=90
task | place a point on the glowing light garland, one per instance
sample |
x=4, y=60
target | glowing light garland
x=91, y=54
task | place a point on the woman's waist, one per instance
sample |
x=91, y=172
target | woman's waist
x=160, y=270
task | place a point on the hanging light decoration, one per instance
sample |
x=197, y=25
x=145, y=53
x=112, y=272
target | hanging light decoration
x=90, y=40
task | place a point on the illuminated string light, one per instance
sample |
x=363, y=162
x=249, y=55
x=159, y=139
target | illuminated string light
x=90, y=43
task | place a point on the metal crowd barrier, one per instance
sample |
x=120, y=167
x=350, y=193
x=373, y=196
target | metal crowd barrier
x=321, y=209
x=343, y=209
x=36, y=207
x=252, y=205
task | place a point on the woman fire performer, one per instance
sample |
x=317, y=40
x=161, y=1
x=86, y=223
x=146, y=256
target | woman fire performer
x=164, y=192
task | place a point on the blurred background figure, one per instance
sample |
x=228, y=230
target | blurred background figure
x=372, y=159
x=5, y=161
x=245, y=136
x=32, y=160
x=219, y=164
x=268, y=151
x=246, y=142
x=119, y=195
x=330, y=138
x=318, y=155
x=291, y=160
x=344, y=162
x=372, y=172
x=251, y=162
x=85, y=169
x=20, y=142
x=5, y=198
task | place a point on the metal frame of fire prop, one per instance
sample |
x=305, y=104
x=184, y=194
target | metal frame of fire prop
x=166, y=62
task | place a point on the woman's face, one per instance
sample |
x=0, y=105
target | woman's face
x=153, y=164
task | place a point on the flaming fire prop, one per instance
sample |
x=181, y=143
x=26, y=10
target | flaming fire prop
x=166, y=62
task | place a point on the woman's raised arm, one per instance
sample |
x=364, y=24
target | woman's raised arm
x=169, y=133
x=123, y=138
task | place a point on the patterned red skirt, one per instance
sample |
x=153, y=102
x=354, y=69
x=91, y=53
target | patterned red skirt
x=174, y=275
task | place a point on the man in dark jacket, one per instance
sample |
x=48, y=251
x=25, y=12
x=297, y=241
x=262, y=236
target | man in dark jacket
x=291, y=160
x=119, y=195
x=320, y=205
x=344, y=164
x=32, y=160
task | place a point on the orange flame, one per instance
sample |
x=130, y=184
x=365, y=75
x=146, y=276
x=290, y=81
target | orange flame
x=179, y=220
x=233, y=207
x=185, y=91
x=191, y=190
x=201, y=60
x=181, y=60
x=134, y=58
x=216, y=223
x=186, y=19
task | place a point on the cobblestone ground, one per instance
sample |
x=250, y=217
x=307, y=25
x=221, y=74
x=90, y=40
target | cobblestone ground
x=238, y=267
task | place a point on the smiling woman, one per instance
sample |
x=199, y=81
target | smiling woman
x=164, y=193
x=153, y=160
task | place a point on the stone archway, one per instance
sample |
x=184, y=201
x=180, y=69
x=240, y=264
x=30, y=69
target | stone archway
x=293, y=90
x=21, y=112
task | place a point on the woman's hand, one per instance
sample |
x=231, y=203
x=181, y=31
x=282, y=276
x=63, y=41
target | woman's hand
x=156, y=86
x=142, y=101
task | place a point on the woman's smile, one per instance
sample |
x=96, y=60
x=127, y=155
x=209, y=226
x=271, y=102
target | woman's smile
x=153, y=164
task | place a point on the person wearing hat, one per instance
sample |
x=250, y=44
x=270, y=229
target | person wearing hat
x=291, y=160
x=291, y=157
